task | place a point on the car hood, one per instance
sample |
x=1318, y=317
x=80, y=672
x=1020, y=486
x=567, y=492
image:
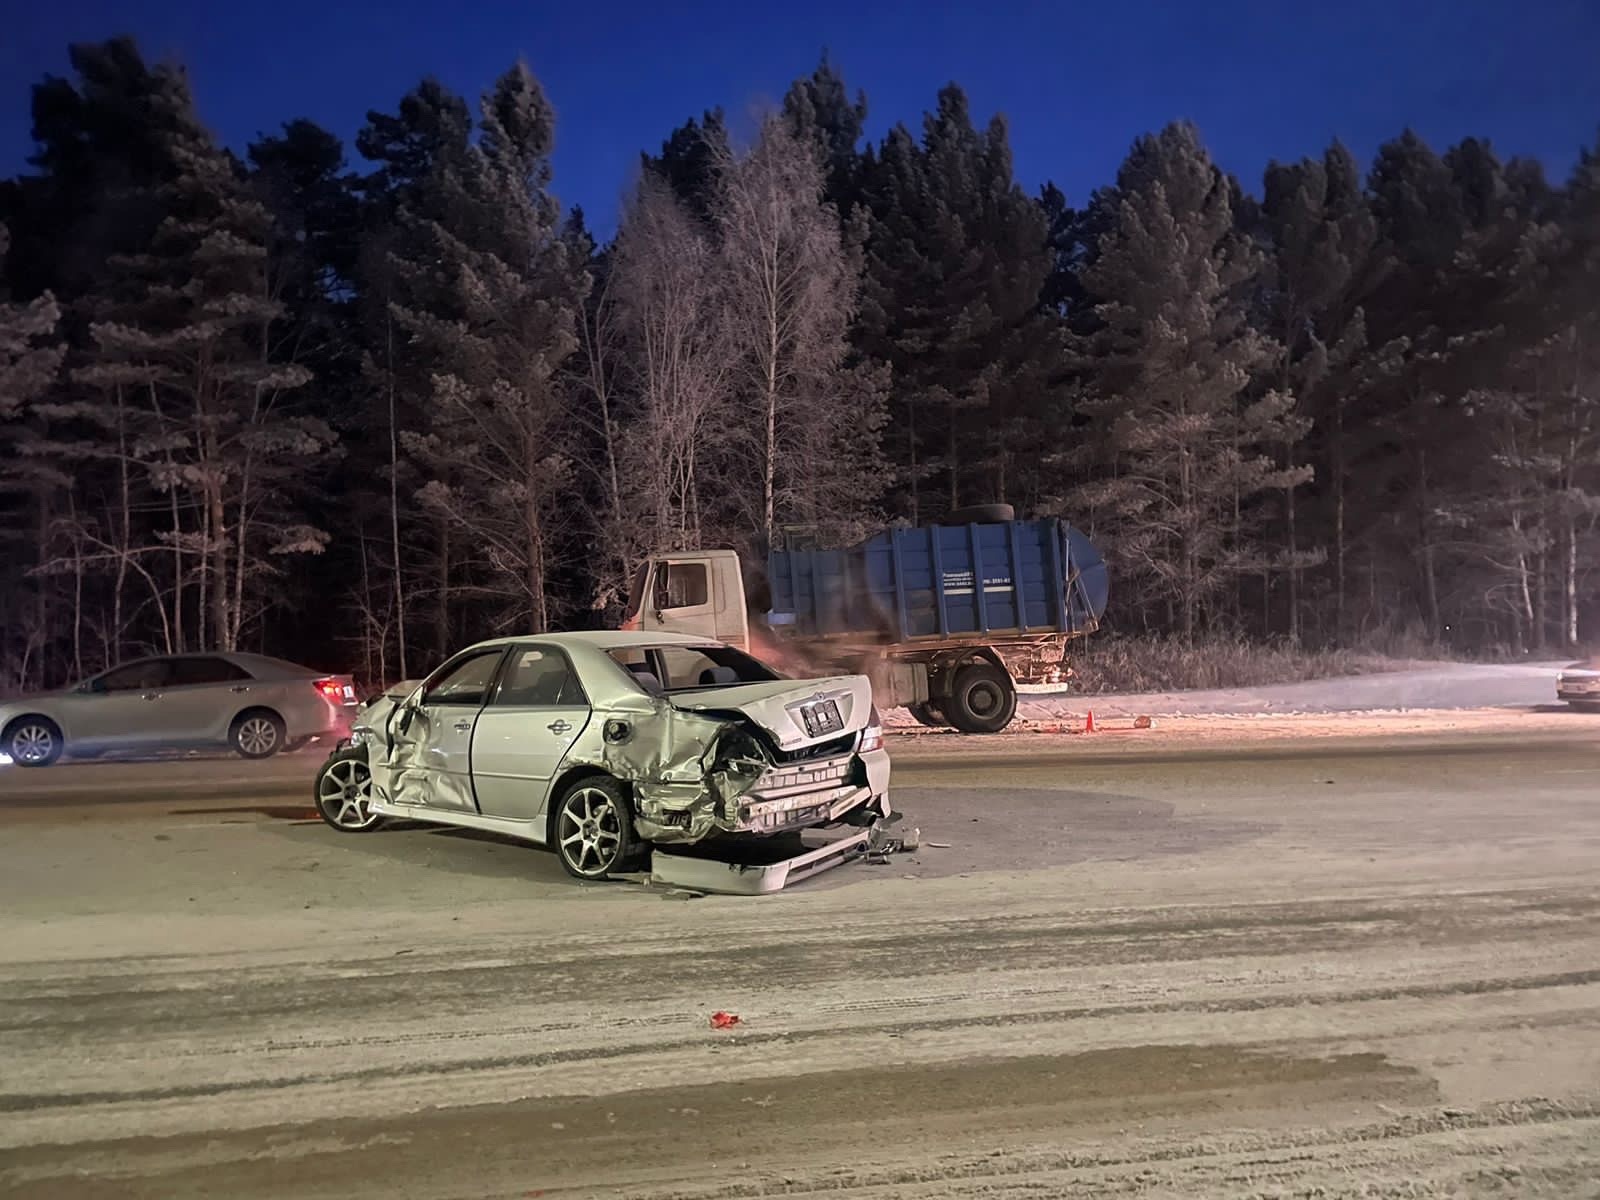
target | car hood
x=779, y=707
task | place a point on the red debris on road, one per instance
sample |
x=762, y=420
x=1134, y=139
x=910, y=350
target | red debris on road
x=724, y=1020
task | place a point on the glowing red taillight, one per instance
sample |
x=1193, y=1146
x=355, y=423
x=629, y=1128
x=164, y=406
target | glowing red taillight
x=330, y=689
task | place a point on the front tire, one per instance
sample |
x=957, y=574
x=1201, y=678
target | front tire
x=982, y=699
x=258, y=733
x=34, y=741
x=343, y=791
x=593, y=829
x=927, y=713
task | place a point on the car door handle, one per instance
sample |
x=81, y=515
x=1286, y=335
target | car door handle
x=463, y=726
x=151, y=696
x=558, y=727
x=239, y=687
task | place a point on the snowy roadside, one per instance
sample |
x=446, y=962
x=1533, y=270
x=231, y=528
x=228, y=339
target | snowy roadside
x=1119, y=734
x=1446, y=701
x=1446, y=686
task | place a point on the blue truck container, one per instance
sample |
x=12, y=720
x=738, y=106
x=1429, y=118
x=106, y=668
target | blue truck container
x=948, y=619
x=941, y=583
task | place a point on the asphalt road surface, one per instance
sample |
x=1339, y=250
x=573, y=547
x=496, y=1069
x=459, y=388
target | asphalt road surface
x=1364, y=969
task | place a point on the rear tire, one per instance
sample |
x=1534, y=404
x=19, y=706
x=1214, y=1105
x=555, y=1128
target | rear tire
x=34, y=741
x=257, y=733
x=982, y=699
x=592, y=831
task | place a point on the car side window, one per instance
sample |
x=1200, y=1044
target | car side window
x=136, y=677
x=539, y=677
x=467, y=682
x=190, y=672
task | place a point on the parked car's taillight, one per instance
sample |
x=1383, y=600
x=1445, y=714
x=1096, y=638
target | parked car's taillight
x=330, y=689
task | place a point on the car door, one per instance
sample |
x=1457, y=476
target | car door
x=536, y=712
x=680, y=599
x=123, y=707
x=202, y=697
x=432, y=758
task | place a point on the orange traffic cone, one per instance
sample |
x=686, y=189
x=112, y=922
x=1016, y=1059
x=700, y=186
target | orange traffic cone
x=1088, y=725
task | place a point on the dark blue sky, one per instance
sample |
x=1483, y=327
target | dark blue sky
x=1262, y=78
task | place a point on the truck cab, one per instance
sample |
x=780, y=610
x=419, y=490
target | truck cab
x=698, y=591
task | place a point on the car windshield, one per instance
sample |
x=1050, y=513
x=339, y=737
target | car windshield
x=662, y=669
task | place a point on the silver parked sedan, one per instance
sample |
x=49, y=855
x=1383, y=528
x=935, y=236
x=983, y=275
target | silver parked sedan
x=600, y=745
x=1579, y=684
x=254, y=704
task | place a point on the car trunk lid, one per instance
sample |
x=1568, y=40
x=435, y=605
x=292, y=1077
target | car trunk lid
x=797, y=714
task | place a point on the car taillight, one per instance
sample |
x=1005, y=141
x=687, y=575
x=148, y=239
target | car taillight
x=872, y=735
x=330, y=689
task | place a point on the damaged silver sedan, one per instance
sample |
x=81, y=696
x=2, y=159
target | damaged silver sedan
x=600, y=745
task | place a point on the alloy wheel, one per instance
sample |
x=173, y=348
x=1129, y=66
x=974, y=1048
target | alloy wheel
x=343, y=792
x=258, y=736
x=33, y=744
x=589, y=831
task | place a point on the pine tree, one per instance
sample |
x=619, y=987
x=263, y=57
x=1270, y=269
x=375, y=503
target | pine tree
x=819, y=110
x=30, y=360
x=415, y=149
x=687, y=164
x=1321, y=234
x=957, y=257
x=1179, y=414
x=496, y=446
x=187, y=376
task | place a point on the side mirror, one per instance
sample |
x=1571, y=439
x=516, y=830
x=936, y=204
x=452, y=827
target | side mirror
x=402, y=719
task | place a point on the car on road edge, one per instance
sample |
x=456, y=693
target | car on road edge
x=255, y=705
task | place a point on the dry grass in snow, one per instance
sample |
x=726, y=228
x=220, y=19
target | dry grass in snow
x=1148, y=664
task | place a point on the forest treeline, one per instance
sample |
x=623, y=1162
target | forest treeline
x=357, y=405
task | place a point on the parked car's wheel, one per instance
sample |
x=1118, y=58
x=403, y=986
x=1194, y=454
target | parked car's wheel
x=343, y=788
x=33, y=741
x=928, y=714
x=982, y=699
x=593, y=829
x=258, y=733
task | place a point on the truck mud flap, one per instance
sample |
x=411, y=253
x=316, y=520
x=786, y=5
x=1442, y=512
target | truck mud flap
x=725, y=878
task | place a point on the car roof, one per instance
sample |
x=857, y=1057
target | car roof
x=265, y=661
x=607, y=639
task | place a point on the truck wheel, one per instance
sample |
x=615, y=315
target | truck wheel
x=981, y=514
x=982, y=699
x=927, y=713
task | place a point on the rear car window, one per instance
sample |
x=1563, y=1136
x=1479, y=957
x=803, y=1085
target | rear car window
x=683, y=668
x=189, y=672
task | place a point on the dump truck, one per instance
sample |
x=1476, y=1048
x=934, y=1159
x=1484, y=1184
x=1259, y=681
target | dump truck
x=945, y=620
